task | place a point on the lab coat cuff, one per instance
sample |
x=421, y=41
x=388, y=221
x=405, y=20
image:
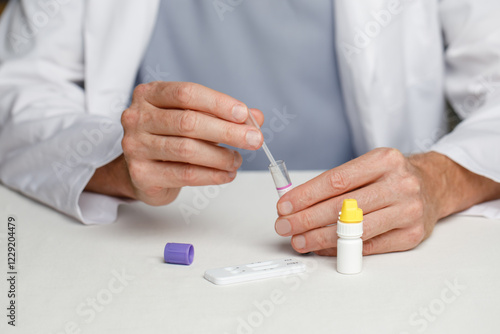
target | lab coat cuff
x=93, y=208
x=98, y=209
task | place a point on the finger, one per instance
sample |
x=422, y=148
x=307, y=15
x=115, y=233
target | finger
x=387, y=219
x=340, y=180
x=394, y=241
x=327, y=252
x=314, y=240
x=193, y=124
x=371, y=198
x=374, y=224
x=192, y=151
x=383, y=244
x=188, y=95
x=375, y=227
x=147, y=174
x=258, y=115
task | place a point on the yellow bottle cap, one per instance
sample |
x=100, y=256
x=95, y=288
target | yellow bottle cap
x=350, y=212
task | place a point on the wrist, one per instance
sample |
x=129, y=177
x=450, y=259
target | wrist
x=112, y=179
x=437, y=171
x=451, y=187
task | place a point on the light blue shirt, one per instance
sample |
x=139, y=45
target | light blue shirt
x=277, y=56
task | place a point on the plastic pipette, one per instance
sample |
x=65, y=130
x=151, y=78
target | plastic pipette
x=278, y=169
x=264, y=146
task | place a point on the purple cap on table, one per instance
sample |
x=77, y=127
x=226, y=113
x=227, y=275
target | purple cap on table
x=178, y=253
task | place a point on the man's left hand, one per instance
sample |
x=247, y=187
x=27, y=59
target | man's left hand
x=402, y=198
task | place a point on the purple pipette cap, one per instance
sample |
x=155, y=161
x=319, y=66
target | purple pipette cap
x=178, y=253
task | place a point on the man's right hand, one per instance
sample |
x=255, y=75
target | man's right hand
x=171, y=136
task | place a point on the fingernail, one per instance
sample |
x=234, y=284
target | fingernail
x=231, y=175
x=253, y=138
x=283, y=226
x=240, y=112
x=285, y=208
x=237, y=160
x=299, y=242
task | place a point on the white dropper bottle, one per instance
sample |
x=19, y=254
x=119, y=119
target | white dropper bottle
x=349, y=244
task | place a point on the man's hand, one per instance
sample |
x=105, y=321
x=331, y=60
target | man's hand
x=171, y=132
x=402, y=199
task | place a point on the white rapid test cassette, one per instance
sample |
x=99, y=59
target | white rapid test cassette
x=254, y=271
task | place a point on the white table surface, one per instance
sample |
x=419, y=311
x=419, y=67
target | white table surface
x=63, y=265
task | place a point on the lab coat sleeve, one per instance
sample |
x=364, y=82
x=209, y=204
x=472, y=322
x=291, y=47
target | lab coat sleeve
x=50, y=144
x=471, y=30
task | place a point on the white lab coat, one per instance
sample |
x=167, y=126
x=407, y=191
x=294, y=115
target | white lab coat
x=67, y=68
